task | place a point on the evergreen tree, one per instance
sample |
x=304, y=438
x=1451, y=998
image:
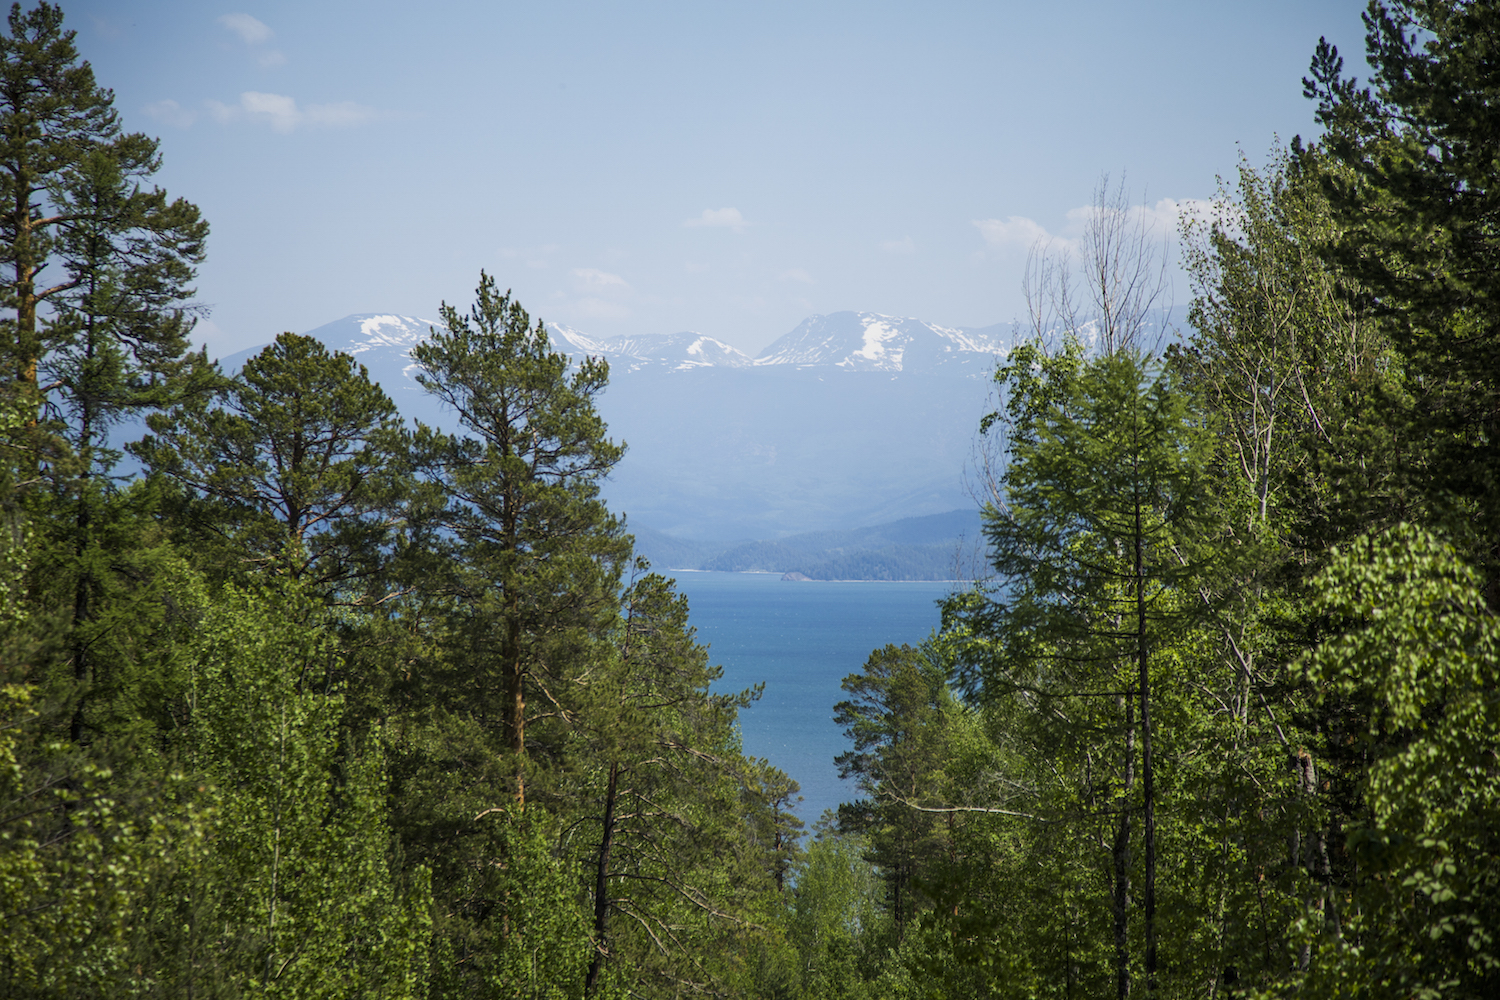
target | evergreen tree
x=301, y=467
x=81, y=237
x=689, y=842
x=896, y=720
x=536, y=556
x=121, y=326
x=1100, y=529
x=94, y=327
x=1413, y=183
x=515, y=580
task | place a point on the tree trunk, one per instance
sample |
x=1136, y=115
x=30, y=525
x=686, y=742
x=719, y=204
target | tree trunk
x=513, y=706
x=601, y=883
x=1148, y=790
x=82, y=612
x=1122, y=860
x=1316, y=861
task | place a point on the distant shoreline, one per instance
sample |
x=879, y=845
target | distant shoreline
x=767, y=572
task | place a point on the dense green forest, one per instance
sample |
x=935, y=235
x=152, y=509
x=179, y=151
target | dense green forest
x=326, y=705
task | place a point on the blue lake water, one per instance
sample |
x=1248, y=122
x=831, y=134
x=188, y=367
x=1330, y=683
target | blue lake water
x=802, y=639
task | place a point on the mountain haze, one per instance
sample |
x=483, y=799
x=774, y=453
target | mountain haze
x=850, y=419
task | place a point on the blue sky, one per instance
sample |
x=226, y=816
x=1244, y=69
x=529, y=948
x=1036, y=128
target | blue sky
x=636, y=168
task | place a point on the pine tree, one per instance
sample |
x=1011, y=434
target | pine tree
x=689, y=844
x=99, y=267
x=536, y=556
x=94, y=327
x=302, y=466
x=895, y=719
x=1414, y=181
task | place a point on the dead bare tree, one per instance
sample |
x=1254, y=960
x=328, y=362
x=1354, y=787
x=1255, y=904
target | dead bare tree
x=1123, y=262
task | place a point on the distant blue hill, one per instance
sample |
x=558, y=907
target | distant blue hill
x=948, y=546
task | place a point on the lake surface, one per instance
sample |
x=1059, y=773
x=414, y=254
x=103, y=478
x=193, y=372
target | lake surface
x=802, y=639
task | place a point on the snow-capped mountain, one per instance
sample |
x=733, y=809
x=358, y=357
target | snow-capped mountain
x=852, y=418
x=368, y=336
x=661, y=350
x=860, y=341
x=681, y=351
x=844, y=340
x=376, y=331
x=575, y=342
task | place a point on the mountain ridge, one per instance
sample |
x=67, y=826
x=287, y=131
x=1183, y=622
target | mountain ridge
x=847, y=340
x=848, y=418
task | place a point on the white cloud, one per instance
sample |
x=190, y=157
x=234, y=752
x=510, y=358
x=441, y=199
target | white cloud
x=797, y=274
x=171, y=113
x=270, y=60
x=594, y=279
x=278, y=110
x=251, y=31
x=1159, y=220
x=1012, y=231
x=904, y=245
x=1168, y=213
x=723, y=218
x=283, y=115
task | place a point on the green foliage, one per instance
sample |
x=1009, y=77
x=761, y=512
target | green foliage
x=1411, y=177
x=99, y=264
x=537, y=946
x=270, y=717
x=121, y=330
x=330, y=709
x=303, y=900
x=837, y=913
x=536, y=556
x=302, y=463
x=1412, y=637
x=1107, y=467
x=1305, y=390
x=895, y=719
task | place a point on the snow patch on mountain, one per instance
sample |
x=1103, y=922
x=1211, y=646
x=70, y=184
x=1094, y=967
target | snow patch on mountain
x=852, y=341
x=859, y=341
x=574, y=342
x=663, y=350
x=384, y=330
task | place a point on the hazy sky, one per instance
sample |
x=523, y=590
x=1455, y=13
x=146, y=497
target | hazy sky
x=642, y=167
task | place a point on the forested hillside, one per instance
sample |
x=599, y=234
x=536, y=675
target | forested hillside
x=324, y=704
x=1228, y=724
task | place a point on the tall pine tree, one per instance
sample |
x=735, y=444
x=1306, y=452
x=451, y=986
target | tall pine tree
x=537, y=556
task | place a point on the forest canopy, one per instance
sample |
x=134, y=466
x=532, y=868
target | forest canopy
x=323, y=703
